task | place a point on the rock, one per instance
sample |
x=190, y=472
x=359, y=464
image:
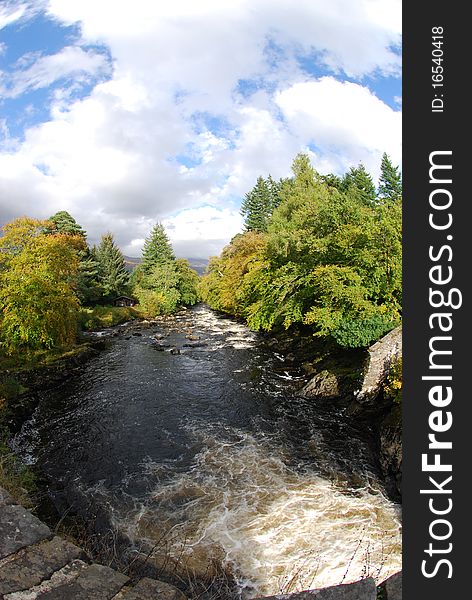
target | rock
x=193, y=338
x=360, y=590
x=30, y=566
x=195, y=345
x=391, y=454
x=391, y=588
x=147, y=589
x=381, y=356
x=137, y=333
x=94, y=582
x=323, y=385
x=19, y=528
x=174, y=351
x=5, y=498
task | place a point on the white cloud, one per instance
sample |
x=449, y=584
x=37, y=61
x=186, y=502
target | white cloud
x=113, y=159
x=11, y=13
x=71, y=61
x=344, y=120
x=197, y=229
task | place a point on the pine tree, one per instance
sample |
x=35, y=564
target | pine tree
x=157, y=249
x=390, y=183
x=257, y=206
x=63, y=222
x=360, y=180
x=113, y=275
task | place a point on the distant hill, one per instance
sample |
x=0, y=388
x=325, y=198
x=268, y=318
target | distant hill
x=198, y=264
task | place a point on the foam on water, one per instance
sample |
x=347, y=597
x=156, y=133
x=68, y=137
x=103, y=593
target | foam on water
x=273, y=527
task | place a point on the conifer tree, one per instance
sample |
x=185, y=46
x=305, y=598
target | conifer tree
x=157, y=249
x=113, y=275
x=390, y=183
x=358, y=179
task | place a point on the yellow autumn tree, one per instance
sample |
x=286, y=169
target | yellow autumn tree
x=38, y=272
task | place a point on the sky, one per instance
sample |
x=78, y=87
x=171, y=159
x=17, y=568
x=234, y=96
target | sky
x=130, y=112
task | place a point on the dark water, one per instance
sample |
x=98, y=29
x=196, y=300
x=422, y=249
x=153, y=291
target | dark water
x=211, y=451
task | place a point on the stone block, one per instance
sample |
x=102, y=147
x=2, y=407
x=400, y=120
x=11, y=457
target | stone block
x=18, y=529
x=29, y=566
x=151, y=589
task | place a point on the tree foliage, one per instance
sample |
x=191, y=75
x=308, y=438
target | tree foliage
x=162, y=283
x=112, y=274
x=330, y=258
x=157, y=249
x=39, y=308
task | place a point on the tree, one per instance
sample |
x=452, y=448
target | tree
x=112, y=273
x=157, y=249
x=390, y=183
x=63, y=222
x=88, y=289
x=358, y=179
x=39, y=308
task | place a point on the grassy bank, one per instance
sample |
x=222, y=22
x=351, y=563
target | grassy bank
x=100, y=317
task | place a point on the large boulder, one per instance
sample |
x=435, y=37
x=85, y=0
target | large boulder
x=381, y=356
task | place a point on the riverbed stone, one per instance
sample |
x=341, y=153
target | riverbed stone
x=19, y=528
x=360, y=590
x=391, y=588
x=151, y=589
x=29, y=566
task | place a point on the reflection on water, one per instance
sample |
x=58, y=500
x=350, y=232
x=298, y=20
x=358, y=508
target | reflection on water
x=210, y=451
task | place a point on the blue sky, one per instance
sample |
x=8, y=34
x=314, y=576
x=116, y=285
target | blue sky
x=127, y=112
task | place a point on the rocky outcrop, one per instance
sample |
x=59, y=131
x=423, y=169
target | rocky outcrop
x=381, y=356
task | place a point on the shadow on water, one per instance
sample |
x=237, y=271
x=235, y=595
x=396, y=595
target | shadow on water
x=209, y=458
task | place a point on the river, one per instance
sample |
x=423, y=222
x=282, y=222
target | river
x=209, y=456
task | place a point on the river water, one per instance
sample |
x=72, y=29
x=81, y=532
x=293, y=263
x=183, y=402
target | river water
x=208, y=455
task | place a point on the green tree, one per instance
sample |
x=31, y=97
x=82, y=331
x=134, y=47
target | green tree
x=112, y=273
x=358, y=179
x=88, y=288
x=390, y=183
x=157, y=249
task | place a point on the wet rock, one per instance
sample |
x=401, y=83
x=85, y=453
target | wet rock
x=30, y=566
x=391, y=454
x=195, y=345
x=147, y=588
x=174, y=351
x=19, y=528
x=137, y=333
x=322, y=385
x=360, y=590
x=391, y=588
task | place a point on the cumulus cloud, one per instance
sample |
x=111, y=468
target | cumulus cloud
x=203, y=97
x=345, y=121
